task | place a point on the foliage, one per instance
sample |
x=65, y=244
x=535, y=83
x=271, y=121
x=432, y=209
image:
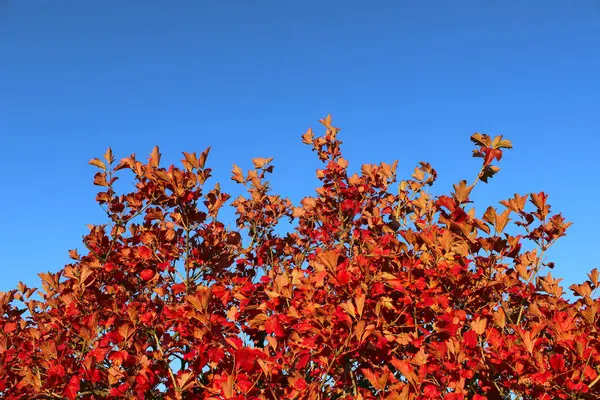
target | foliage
x=379, y=291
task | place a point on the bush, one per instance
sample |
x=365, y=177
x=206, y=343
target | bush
x=379, y=291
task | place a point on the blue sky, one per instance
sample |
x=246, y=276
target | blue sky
x=405, y=80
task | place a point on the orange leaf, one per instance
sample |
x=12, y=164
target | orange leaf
x=329, y=259
x=528, y=341
x=155, y=157
x=372, y=377
x=478, y=325
x=360, y=303
x=228, y=387
x=96, y=162
x=100, y=179
x=500, y=143
x=593, y=275
x=462, y=191
x=185, y=381
x=500, y=318
x=420, y=358
x=232, y=313
x=73, y=254
x=238, y=175
x=191, y=159
x=502, y=220
x=203, y=157
x=481, y=139
x=307, y=138
x=359, y=329
x=539, y=199
x=405, y=369
x=326, y=121
x=261, y=162
x=108, y=156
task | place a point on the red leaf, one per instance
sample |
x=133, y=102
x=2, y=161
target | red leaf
x=118, y=356
x=9, y=327
x=178, y=288
x=145, y=253
x=490, y=154
x=272, y=325
x=303, y=360
x=470, y=338
x=72, y=388
x=447, y=202
x=109, y=266
x=147, y=274
x=56, y=371
x=343, y=277
x=300, y=384
x=215, y=355
x=557, y=362
x=431, y=392
x=245, y=358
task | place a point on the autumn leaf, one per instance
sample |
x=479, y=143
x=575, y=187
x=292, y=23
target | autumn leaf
x=539, y=200
x=100, y=179
x=594, y=276
x=191, y=159
x=145, y=253
x=360, y=303
x=373, y=378
x=96, y=162
x=108, y=156
x=147, y=274
x=481, y=139
x=329, y=259
x=488, y=172
x=228, y=386
x=420, y=358
x=405, y=369
x=501, y=220
x=238, y=175
x=155, y=157
x=260, y=163
x=73, y=254
x=500, y=143
x=307, y=138
x=500, y=318
x=232, y=313
x=418, y=174
x=203, y=157
x=326, y=121
x=273, y=326
x=470, y=338
x=72, y=388
x=462, y=191
x=478, y=326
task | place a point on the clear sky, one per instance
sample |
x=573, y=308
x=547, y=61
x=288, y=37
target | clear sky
x=407, y=80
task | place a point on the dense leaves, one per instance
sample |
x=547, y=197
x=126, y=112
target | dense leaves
x=379, y=290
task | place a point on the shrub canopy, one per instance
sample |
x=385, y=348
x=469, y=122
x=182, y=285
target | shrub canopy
x=378, y=291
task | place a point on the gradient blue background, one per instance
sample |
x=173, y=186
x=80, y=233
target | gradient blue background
x=405, y=80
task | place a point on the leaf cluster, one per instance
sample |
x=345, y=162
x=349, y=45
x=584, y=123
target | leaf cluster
x=378, y=291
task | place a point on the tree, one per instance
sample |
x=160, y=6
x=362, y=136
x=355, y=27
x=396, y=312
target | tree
x=379, y=291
